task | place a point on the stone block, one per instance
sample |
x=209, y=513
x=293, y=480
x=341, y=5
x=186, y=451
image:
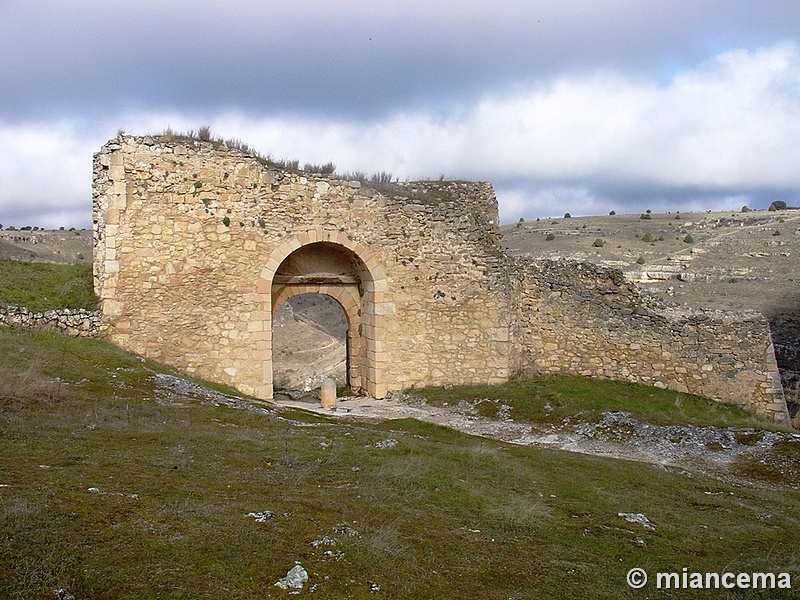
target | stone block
x=328, y=393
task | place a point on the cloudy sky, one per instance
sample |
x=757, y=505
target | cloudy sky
x=583, y=106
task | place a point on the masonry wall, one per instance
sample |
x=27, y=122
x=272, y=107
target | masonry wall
x=585, y=319
x=189, y=237
x=73, y=322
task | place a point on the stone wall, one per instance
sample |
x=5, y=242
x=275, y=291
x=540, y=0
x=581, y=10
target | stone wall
x=588, y=320
x=189, y=237
x=74, y=322
x=197, y=245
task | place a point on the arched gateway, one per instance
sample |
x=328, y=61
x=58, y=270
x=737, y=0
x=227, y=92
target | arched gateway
x=197, y=245
x=336, y=269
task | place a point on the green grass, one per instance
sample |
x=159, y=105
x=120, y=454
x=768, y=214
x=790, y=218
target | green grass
x=115, y=489
x=551, y=399
x=44, y=286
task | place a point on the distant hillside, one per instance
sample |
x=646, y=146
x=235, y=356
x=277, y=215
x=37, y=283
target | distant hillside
x=66, y=247
x=309, y=338
x=725, y=260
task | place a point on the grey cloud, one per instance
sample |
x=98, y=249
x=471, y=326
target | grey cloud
x=344, y=59
x=526, y=198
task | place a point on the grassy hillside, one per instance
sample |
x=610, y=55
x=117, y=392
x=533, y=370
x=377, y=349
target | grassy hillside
x=44, y=286
x=120, y=480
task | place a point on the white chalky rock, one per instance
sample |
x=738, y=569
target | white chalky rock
x=295, y=579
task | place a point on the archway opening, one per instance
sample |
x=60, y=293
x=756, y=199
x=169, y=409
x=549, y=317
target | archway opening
x=309, y=343
x=322, y=280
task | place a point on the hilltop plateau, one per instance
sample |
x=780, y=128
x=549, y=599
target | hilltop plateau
x=723, y=260
x=60, y=246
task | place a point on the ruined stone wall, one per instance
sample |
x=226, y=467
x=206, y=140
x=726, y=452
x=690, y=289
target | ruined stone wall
x=585, y=319
x=196, y=246
x=73, y=322
x=188, y=237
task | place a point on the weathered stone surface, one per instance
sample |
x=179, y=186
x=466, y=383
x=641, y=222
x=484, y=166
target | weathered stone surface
x=197, y=246
x=295, y=579
x=600, y=326
x=328, y=393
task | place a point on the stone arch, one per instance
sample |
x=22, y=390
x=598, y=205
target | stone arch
x=329, y=262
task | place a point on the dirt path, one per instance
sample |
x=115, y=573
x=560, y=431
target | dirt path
x=618, y=435
x=691, y=450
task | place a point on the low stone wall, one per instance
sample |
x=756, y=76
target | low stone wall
x=587, y=320
x=74, y=322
